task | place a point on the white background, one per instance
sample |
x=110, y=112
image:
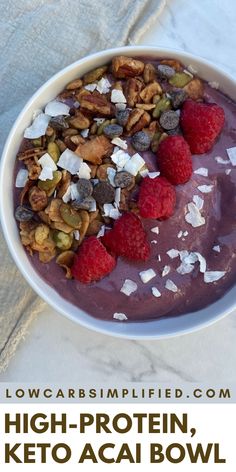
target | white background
x=56, y=348
x=212, y=423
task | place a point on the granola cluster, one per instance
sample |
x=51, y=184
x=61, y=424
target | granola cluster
x=83, y=158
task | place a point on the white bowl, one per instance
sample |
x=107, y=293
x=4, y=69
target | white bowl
x=161, y=328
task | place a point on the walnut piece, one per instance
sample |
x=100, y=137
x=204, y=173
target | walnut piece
x=75, y=84
x=143, y=122
x=149, y=91
x=79, y=121
x=64, y=183
x=195, y=89
x=95, y=149
x=133, y=90
x=38, y=199
x=123, y=66
x=149, y=73
x=96, y=104
x=172, y=63
x=65, y=260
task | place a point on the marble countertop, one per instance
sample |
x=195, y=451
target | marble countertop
x=56, y=349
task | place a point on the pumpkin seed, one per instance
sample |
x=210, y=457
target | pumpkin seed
x=180, y=79
x=48, y=185
x=162, y=105
x=54, y=151
x=70, y=216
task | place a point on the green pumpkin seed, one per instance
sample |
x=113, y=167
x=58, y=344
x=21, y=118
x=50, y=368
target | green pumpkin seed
x=180, y=79
x=54, y=151
x=48, y=185
x=70, y=216
x=162, y=105
x=102, y=126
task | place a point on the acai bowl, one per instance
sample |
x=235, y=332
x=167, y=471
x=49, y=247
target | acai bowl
x=145, y=296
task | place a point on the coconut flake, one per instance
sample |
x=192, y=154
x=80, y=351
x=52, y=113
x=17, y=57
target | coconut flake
x=192, y=69
x=199, y=202
x=228, y=171
x=46, y=174
x=156, y=292
x=185, y=233
x=147, y=275
x=134, y=164
x=194, y=217
x=70, y=161
x=185, y=268
x=180, y=234
x=74, y=193
x=213, y=84
x=92, y=205
x=153, y=241
x=76, y=234
x=202, y=171
x=84, y=171
x=232, y=155
x=144, y=172
x=120, y=316
x=213, y=275
x=84, y=132
x=220, y=160
x=205, y=188
x=103, y=85
x=117, y=196
x=165, y=271
x=170, y=285
x=90, y=87
x=111, y=175
x=186, y=71
x=76, y=104
x=120, y=106
x=38, y=127
x=99, y=121
x=21, y=178
x=101, y=232
x=155, y=230
x=173, y=253
x=120, y=143
x=159, y=258
x=67, y=195
x=47, y=161
x=56, y=108
x=111, y=211
x=216, y=248
x=120, y=158
x=117, y=96
x=153, y=175
x=128, y=287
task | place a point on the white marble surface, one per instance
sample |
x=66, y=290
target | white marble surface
x=56, y=349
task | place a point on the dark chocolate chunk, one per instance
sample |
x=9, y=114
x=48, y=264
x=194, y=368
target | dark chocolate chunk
x=59, y=123
x=123, y=179
x=165, y=72
x=122, y=116
x=141, y=141
x=177, y=98
x=23, y=214
x=169, y=119
x=104, y=193
x=86, y=204
x=85, y=189
x=112, y=131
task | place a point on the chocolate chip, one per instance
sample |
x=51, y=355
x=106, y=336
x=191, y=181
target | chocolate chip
x=141, y=141
x=104, y=193
x=23, y=214
x=122, y=116
x=59, y=123
x=175, y=131
x=165, y=72
x=112, y=131
x=86, y=204
x=169, y=119
x=85, y=189
x=177, y=98
x=123, y=179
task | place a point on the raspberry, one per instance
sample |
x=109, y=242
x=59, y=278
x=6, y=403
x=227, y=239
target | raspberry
x=156, y=198
x=92, y=262
x=128, y=238
x=175, y=160
x=201, y=124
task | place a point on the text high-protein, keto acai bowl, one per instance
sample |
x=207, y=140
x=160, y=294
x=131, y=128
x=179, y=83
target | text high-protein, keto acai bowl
x=125, y=190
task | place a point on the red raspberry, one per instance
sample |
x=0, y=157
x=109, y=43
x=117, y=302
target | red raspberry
x=92, y=262
x=156, y=198
x=128, y=238
x=175, y=160
x=201, y=124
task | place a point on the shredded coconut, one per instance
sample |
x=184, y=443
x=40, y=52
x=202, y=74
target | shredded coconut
x=128, y=287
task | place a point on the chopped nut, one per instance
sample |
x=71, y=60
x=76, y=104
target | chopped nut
x=77, y=139
x=146, y=106
x=149, y=91
x=79, y=121
x=61, y=226
x=69, y=132
x=95, y=150
x=172, y=63
x=47, y=245
x=94, y=227
x=133, y=89
x=96, y=104
x=149, y=73
x=64, y=183
x=46, y=257
x=41, y=233
x=194, y=89
x=44, y=217
x=133, y=118
x=25, y=190
x=139, y=124
x=94, y=75
x=82, y=92
x=102, y=171
x=93, y=128
x=75, y=84
x=31, y=153
x=123, y=66
x=93, y=171
x=38, y=199
x=52, y=210
x=65, y=260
